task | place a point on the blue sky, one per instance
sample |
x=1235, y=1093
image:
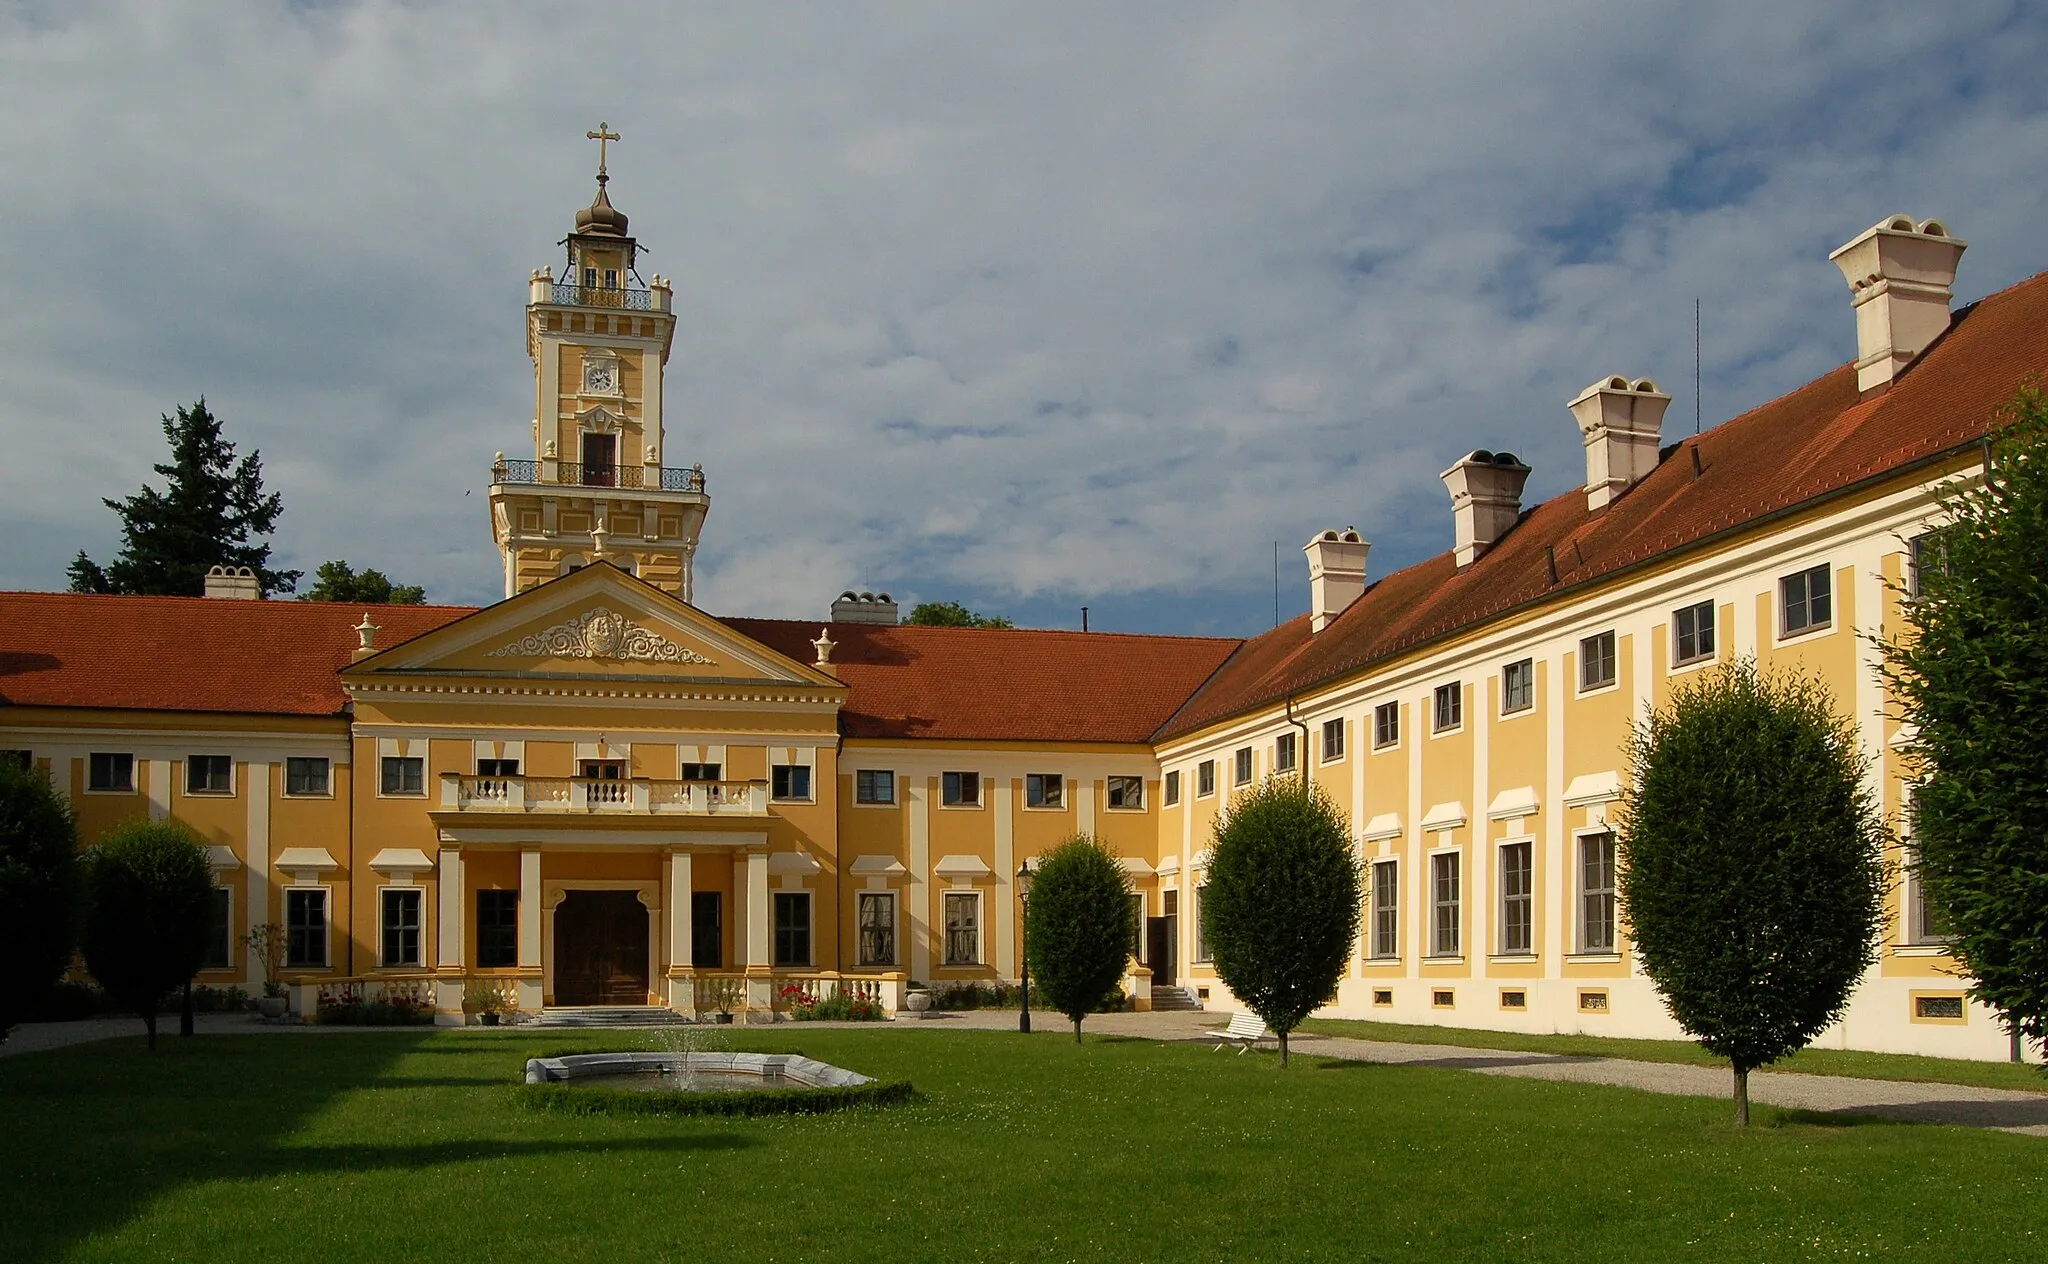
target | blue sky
x=1032, y=307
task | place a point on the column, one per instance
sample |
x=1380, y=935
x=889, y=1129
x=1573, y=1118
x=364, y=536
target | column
x=256, y=895
x=757, y=909
x=529, y=907
x=681, y=989
x=449, y=937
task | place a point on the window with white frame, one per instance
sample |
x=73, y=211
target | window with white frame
x=1386, y=724
x=1518, y=686
x=1692, y=633
x=1045, y=789
x=1205, y=778
x=209, y=774
x=699, y=771
x=1241, y=766
x=1201, y=928
x=1806, y=600
x=791, y=925
x=220, y=931
x=963, y=928
x=305, y=927
x=110, y=771
x=1444, y=922
x=1125, y=793
x=1333, y=740
x=1386, y=908
x=1517, y=899
x=1924, y=921
x=875, y=916
x=1170, y=791
x=874, y=785
x=1596, y=892
x=1924, y=552
x=1450, y=706
x=307, y=775
x=960, y=789
x=790, y=783
x=402, y=775
x=399, y=925
x=1596, y=661
x=1284, y=752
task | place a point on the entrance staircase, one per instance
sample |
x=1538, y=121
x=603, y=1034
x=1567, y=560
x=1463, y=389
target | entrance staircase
x=1170, y=999
x=609, y=1016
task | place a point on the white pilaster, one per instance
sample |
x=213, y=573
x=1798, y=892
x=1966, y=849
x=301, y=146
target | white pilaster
x=918, y=893
x=1480, y=940
x=679, y=929
x=1415, y=932
x=1006, y=882
x=1556, y=902
x=448, y=935
x=256, y=897
x=529, y=908
x=159, y=789
x=1084, y=804
x=757, y=908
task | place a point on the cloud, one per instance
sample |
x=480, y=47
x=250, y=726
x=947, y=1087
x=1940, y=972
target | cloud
x=1033, y=307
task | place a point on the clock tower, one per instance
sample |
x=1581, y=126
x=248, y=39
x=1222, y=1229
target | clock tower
x=596, y=487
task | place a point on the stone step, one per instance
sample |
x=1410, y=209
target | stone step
x=1174, y=1000
x=608, y=1016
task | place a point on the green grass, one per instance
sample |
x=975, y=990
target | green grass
x=2025, y=1077
x=412, y=1146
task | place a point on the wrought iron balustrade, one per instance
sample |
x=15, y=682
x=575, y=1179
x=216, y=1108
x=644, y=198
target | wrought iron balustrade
x=602, y=296
x=585, y=474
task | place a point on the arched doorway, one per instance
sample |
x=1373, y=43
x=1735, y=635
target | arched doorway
x=600, y=949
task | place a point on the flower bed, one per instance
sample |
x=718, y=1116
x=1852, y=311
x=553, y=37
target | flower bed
x=841, y=1006
x=396, y=1005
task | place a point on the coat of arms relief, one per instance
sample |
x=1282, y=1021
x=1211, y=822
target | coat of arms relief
x=600, y=633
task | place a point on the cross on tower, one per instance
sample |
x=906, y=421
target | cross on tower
x=601, y=136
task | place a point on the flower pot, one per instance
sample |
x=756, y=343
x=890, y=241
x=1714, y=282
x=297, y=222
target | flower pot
x=272, y=1006
x=725, y=1018
x=488, y=1020
x=917, y=1002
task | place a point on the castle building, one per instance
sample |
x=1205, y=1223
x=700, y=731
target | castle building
x=594, y=793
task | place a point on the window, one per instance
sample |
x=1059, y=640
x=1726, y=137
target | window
x=1205, y=778
x=1925, y=551
x=875, y=914
x=497, y=929
x=110, y=772
x=1126, y=792
x=696, y=772
x=403, y=774
x=220, y=931
x=1518, y=686
x=1596, y=893
x=1283, y=752
x=1692, y=633
x=24, y=760
x=305, y=927
x=400, y=908
x=1044, y=789
x=1939, y=1008
x=1172, y=787
x=305, y=775
x=1137, y=945
x=1333, y=740
x=1517, y=890
x=1201, y=929
x=1386, y=724
x=590, y=278
x=1444, y=919
x=874, y=785
x=707, y=930
x=787, y=782
x=1450, y=706
x=1241, y=766
x=1593, y=1002
x=792, y=928
x=1386, y=908
x=1443, y=998
x=960, y=789
x=1383, y=996
x=1596, y=661
x=608, y=769
x=491, y=774
x=1806, y=600
x=209, y=774
x=1514, y=998
x=963, y=928
x=1924, y=921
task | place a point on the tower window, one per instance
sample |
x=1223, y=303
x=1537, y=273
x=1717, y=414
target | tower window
x=611, y=278
x=590, y=278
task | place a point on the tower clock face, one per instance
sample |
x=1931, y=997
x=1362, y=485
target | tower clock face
x=600, y=377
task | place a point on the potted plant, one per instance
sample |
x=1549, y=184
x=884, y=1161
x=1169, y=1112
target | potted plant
x=723, y=995
x=486, y=1001
x=266, y=943
x=917, y=998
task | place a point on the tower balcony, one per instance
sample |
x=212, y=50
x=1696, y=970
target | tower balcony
x=551, y=473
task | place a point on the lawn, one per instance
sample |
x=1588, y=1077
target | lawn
x=411, y=1145
x=2026, y=1077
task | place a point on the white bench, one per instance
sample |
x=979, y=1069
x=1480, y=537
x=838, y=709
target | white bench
x=1245, y=1031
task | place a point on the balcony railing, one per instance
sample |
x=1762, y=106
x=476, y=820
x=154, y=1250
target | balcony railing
x=637, y=796
x=577, y=474
x=601, y=296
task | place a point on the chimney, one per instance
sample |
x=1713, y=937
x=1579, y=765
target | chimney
x=232, y=583
x=865, y=607
x=1336, y=574
x=1623, y=424
x=1486, y=499
x=1900, y=280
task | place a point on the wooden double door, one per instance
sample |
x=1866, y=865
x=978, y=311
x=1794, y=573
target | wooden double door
x=601, y=949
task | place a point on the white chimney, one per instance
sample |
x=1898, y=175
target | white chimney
x=1486, y=499
x=864, y=607
x=1622, y=423
x=1336, y=574
x=1901, y=278
x=234, y=583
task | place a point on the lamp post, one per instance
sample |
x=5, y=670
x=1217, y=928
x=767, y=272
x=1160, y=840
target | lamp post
x=1024, y=903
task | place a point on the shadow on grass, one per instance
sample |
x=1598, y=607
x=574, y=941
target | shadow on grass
x=1458, y=1063
x=315, y=1160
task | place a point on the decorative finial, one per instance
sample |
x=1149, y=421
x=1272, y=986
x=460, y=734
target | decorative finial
x=598, y=535
x=602, y=136
x=824, y=645
x=366, y=633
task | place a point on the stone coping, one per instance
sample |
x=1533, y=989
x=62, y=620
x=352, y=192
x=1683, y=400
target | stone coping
x=798, y=1070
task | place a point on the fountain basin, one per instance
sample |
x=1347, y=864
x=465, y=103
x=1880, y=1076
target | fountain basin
x=706, y=1072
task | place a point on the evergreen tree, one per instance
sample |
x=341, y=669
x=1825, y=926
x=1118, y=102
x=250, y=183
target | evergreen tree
x=1752, y=863
x=1970, y=673
x=148, y=913
x=1282, y=907
x=338, y=581
x=951, y=614
x=213, y=512
x=39, y=889
x=1077, y=933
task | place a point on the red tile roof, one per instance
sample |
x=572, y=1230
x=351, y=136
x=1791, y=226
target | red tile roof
x=1803, y=447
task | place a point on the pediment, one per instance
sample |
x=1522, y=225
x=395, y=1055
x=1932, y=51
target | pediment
x=598, y=622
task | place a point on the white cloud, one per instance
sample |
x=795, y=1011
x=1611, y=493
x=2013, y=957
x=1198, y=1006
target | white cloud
x=1034, y=306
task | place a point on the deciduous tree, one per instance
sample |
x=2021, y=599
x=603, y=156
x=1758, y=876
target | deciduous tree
x=338, y=581
x=39, y=889
x=951, y=614
x=1078, y=926
x=148, y=912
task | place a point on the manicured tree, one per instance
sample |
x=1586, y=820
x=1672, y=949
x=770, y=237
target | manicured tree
x=1078, y=926
x=39, y=889
x=1282, y=906
x=148, y=911
x=1970, y=674
x=1752, y=863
